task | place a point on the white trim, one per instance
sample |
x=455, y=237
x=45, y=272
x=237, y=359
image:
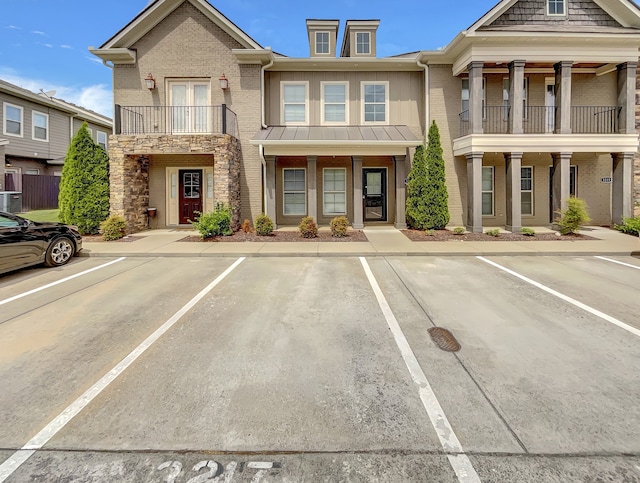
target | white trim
x=32, y=171
x=324, y=193
x=564, y=9
x=283, y=84
x=386, y=121
x=4, y=120
x=492, y=191
x=33, y=126
x=533, y=185
x=328, y=52
x=368, y=34
x=323, y=121
x=105, y=139
x=284, y=192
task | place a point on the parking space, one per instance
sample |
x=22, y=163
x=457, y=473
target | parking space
x=288, y=369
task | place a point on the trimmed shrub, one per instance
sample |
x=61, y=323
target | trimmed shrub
x=494, y=232
x=417, y=201
x=308, y=227
x=459, y=230
x=436, y=192
x=630, y=226
x=339, y=226
x=246, y=226
x=113, y=228
x=216, y=223
x=264, y=225
x=527, y=231
x=574, y=217
x=430, y=232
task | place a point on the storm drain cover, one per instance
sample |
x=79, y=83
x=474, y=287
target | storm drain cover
x=444, y=339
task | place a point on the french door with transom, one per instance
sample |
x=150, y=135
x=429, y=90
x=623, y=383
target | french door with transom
x=189, y=111
x=374, y=191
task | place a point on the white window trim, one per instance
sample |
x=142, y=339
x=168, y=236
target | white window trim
x=37, y=171
x=306, y=103
x=4, y=120
x=346, y=103
x=533, y=183
x=484, y=97
x=324, y=192
x=387, y=114
x=328, y=52
x=492, y=191
x=368, y=34
x=284, y=192
x=33, y=126
x=105, y=139
x=564, y=7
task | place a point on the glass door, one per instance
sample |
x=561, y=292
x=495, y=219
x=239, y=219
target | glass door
x=189, y=109
x=375, y=194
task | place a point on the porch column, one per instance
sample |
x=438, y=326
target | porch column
x=270, y=188
x=401, y=199
x=474, y=192
x=563, y=96
x=358, y=216
x=560, y=182
x=622, y=192
x=627, y=97
x=475, y=96
x=516, y=96
x=312, y=190
x=513, y=163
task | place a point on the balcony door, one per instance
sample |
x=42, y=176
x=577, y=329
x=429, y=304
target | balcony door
x=550, y=103
x=189, y=109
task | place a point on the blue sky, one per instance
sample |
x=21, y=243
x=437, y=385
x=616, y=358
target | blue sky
x=43, y=43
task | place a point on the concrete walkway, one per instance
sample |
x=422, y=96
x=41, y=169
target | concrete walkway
x=383, y=241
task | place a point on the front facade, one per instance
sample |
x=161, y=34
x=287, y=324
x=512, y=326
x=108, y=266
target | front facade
x=535, y=103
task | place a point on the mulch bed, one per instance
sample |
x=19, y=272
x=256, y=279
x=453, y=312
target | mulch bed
x=281, y=236
x=446, y=235
x=98, y=238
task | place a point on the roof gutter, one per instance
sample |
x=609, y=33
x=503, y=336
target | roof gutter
x=427, y=113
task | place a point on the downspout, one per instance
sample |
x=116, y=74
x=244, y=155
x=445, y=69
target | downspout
x=427, y=114
x=263, y=114
x=104, y=62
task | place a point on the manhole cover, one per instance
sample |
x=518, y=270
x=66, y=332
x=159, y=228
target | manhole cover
x=444, y=339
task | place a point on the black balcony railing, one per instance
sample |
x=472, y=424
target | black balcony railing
x=595, y=119
x=539, y=119
x=175, y=120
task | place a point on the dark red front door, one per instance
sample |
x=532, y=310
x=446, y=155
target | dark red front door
x=190, y=194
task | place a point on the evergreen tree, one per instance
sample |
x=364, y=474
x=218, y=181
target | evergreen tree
x=417, y=201
x=437, y=213
x=84, y=188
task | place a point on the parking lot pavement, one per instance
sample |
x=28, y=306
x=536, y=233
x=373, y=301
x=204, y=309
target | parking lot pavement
x=290, y=369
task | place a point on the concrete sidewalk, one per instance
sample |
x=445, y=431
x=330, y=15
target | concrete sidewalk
x=383, y=241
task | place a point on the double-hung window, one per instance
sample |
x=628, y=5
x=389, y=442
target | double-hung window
x=295, y=103
x=375, y=102
x=40, y=126
x=334, y=184
x=322, y=42
x=335, y=108
x=556, y=7
x=363, y=43
x=466, y=96
x=102, y=140
x=526, y=190
x=487, y=190
x=295, y=193
x=13, y=120
x=505, y=97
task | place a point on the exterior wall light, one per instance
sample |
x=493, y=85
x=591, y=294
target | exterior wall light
x=224, y=82
x=150, y=82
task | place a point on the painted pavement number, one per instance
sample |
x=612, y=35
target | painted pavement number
x=214, y=472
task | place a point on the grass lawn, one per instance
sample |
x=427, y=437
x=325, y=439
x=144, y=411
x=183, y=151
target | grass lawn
x=41, y=215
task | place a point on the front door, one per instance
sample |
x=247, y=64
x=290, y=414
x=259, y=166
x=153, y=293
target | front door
x=190, y=194
x=375, y=194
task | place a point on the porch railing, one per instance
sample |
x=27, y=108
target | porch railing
x=175, y=120
x=595, y=119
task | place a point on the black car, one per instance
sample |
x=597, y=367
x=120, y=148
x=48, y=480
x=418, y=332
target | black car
x=24, y=243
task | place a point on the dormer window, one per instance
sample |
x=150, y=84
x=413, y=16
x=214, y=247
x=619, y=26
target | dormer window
x=322, y=42
x=363, y=43
x=556, y=8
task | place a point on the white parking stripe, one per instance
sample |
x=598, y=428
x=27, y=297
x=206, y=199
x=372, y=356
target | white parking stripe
x=566, y=298
x=58, y=282
x=49, y=431
x=459, y=461
x=619, y=263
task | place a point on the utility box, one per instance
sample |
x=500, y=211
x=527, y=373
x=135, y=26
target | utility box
x=11, y=201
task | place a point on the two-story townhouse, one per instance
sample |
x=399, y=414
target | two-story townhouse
x=535, y=102
x=36, y=132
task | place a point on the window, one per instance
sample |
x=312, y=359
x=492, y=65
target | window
x=363, y=43
x=294, y=103
x=465, y=94
x=505, y=97
x=190, y=112
x=33, y=171
x=375, y=101
x=322, y=42
x=102, y=140
x=295, y=193
x=40, y=126
x=526, y=190
x=12, y=120
x=90, y=132
x=556, y=7
x=334, y=102
x=487, y=190
x=335, y=191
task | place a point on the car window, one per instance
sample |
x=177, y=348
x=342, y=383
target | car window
x=8, y=222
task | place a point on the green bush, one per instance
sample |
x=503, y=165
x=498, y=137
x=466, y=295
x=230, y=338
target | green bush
x=631, y=226
x=113, y=228
x=264, y=225
x=574, y=217
x=494, y=232
x=339, y=226
x=216, y=223
x=459, y=230
x=308, y=227
x=527, y=231
x=430, y=232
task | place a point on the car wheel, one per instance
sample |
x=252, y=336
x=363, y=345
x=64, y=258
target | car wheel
x=59, y=252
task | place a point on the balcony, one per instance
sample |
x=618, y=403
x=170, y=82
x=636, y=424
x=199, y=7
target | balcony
x=177, y=120
x=542, y=119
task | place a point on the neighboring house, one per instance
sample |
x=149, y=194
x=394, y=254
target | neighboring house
x=535, y=102
x=36, y=132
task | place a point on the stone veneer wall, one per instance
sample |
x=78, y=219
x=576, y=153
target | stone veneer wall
x=129, y=158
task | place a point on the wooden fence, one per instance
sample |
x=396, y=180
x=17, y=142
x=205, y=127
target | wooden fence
x=39, y=192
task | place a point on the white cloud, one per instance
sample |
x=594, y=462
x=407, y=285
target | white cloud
x=13, y=27
x=65, y=46
x=38, y=32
